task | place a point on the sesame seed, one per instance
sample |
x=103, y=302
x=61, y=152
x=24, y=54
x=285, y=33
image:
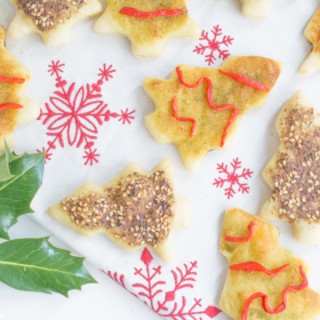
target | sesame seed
x=47, y=14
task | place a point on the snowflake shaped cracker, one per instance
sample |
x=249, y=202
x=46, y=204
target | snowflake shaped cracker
x=232, y=179
x=147, y=24
x=198, y=108
x=72, y=116
x=256, y=9
x=15, y=108
x=51, y=19
x=212, y=49
x=163, y=298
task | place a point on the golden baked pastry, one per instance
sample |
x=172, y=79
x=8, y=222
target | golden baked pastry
x=312, y=62
x=293, y=173
x=264, y=281
x=256, y=9
x=135, y=209
x=198, y=108
x=147, y=24
x=51, y=19
x=15, y=108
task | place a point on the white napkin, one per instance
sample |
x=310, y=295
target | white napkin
x=255, y=141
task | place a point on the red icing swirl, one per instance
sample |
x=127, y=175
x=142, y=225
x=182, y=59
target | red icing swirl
x=175, y=114
x=5, y=106
x=265, y=303
x=245, y=80
x=257, y=267
x=235, y=110
x=132, y=12
x=247, y=238
x=11, y=80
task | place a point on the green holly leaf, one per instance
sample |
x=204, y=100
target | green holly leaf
x=36, y=265
x=20, y=179
x=5, y=158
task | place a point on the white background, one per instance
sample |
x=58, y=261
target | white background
x=280, y=37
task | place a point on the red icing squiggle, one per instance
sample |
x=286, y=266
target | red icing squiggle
x=5, y=106
x=11, y=80
x=244, y=239
x=254, y=266
x=235, y=110
x=245, y=80
x=265, y=303
x=175, y=114
x=132, y=12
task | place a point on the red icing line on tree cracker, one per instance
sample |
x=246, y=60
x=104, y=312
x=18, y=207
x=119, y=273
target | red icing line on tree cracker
x=254, y=266
x=132, y=12
x=210, y=101
x=5, y=106
x=245, y=80
x=265, y=303
x=11, y=80
x=244, y=239
x=182, y=119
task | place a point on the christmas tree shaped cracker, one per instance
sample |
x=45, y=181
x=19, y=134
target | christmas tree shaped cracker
x=256, y=9
x=51, y=19
x=312, y=62
x=293, y=174
x=198, y=108
x=264, y=281
x=135, y=209
x=148, y=24
x=15, y=108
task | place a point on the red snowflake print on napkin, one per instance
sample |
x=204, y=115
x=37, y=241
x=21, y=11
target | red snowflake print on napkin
x=233, y=179
x=73, y=115
x=165, y=300
x=213, y=45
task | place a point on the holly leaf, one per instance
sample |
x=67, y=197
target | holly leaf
x=20, y=179
x=36, y=265
x=5, y=158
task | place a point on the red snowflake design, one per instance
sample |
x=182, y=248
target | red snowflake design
x=165, y=303
x=72, y=116
x=212, y=49
x=233, y=178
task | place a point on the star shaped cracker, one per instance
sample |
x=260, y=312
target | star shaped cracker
x=148, y=24
x=198, y=108
x=312, y=62
x=256, y=9
x=51, y=19
x=293, y=174
x=135, y=209
x=15, y=108
x=264, y=281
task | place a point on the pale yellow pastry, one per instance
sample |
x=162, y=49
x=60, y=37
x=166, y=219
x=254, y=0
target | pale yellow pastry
x=293, y=174
x=51, y=19
x=256, y=9
x=15, y=108
x=312, y=33
x=264, y=281
x=135, y=209
x=147, y=24
x=198, y=108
